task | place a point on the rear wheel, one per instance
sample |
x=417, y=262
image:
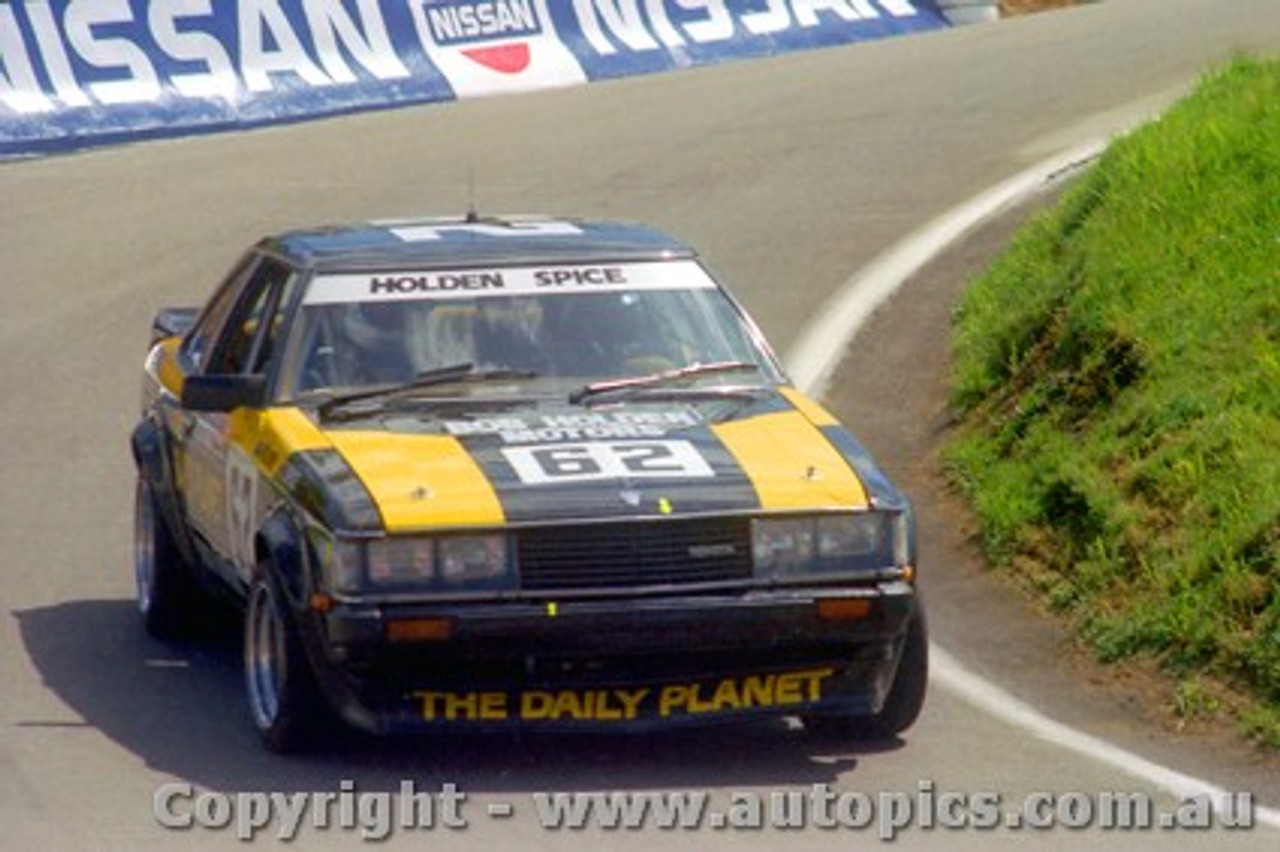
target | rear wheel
x=901, y=706
x=284, y=701
x=165, y=588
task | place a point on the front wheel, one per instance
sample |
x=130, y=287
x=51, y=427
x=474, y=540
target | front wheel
x=905, y=700
x=284, y=701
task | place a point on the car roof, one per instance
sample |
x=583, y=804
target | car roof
x=471, y=240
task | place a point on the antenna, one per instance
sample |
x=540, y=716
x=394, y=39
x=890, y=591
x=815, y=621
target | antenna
x=472, y=215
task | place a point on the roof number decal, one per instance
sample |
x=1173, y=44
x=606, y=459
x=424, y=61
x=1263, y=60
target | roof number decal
x=426, y=233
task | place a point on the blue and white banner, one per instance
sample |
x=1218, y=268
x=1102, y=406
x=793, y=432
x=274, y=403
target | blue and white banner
x=77, y=73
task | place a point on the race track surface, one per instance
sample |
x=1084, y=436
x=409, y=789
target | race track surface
x=791, y=174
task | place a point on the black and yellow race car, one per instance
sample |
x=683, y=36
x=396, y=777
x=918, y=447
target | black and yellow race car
x=490, y=473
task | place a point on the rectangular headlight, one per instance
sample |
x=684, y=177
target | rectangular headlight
x=400, y=559
x=783, y=546
x=819, y=545
x=852, y=536
x=473, y=561
x=430, y=563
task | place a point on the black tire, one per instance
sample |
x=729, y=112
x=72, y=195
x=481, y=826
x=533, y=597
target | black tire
x=902, y=705
x=285, y=703
x=166, y=592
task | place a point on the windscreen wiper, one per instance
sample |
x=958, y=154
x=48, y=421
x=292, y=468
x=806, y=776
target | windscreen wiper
x=451, y=374
x=632, y=384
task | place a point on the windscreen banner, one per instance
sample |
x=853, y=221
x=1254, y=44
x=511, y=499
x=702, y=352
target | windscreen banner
x=80, y=73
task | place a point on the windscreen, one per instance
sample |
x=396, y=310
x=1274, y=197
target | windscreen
x=575, y=322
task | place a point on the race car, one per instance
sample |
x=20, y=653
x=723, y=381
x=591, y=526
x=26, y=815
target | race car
x=522, y=472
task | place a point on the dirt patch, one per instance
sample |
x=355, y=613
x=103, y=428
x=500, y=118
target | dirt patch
x=1009, y=8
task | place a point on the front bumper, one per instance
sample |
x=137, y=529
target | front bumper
x=613, y=663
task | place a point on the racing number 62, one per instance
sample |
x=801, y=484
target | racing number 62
x=587, y=460
x=607, y=460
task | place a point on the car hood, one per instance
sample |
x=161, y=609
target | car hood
x=781, y=453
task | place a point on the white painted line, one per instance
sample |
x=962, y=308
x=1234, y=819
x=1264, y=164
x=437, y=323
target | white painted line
x=822, y=345
x=818, y=352
x=944, y=669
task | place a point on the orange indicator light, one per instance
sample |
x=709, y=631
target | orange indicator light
x=420, y=630
x=844, y=609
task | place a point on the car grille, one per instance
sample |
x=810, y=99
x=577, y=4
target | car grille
x=635, y=554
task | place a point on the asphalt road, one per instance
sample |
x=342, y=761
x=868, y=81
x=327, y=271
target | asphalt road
x=791, y=174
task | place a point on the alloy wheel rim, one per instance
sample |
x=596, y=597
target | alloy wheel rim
x=264, y=657
x=144, y=550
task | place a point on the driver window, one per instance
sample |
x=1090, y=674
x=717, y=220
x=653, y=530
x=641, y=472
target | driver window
x=252, y=329
x=199, y=343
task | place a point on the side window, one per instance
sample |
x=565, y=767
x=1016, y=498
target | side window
x=283, y=284
x=251, y=329
x=199, y=343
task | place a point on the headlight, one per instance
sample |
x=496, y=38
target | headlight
x=473, y=561
x=783, y=546
x=852, y=536
x=401, y=560
x=454, y=563
x=824, y=544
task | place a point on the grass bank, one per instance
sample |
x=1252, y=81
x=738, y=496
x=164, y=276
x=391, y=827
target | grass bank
x=1117, y=372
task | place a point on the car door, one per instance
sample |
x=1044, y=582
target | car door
x=219, y=481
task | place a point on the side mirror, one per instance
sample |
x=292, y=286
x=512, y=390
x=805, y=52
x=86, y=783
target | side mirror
x=173, y=322
x=223, y=393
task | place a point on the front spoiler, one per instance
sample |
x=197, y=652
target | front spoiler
x=614, y=664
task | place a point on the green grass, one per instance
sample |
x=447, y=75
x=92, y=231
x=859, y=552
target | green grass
x=1118, y=375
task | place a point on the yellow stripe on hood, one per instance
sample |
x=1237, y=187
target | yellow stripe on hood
x=791, y=463
x=817, y=415
x=420, y=481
